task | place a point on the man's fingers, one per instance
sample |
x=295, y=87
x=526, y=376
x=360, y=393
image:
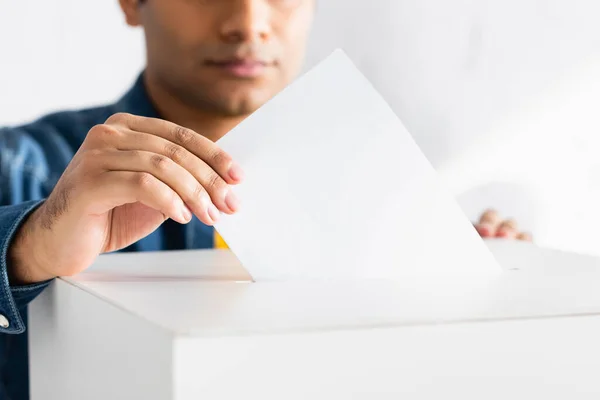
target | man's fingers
x=221, y=194
x=488, y=223
x=193, y=194
x=491, y=225
x=508, y=229
x=197, y=144
x=125, y=187
x=490, y=217
x=484, y=230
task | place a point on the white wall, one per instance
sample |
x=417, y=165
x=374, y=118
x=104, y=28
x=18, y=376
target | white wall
x=463, y=67
x=501, y=95
x=63, y=53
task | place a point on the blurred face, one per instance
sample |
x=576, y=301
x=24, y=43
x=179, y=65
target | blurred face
x=223, y=56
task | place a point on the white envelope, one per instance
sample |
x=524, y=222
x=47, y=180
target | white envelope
x=336, y=188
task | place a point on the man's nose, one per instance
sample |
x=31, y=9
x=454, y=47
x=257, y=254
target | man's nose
x=247, y=21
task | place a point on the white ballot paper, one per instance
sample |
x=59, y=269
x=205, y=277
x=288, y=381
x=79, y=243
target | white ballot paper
x=336, y=188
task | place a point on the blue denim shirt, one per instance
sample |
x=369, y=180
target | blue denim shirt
x=32, y=158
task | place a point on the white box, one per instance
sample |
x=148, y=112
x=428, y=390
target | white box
x=190, y=326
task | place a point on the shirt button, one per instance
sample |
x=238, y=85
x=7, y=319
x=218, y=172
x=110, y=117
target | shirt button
x=4, y=322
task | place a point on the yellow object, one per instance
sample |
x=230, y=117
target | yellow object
x=219, y=242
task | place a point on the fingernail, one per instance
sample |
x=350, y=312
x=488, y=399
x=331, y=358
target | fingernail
x=235, y=172
x=232, y=201
x=213, y=213
x=484, y=231
x=186, y=213
x=505, y=233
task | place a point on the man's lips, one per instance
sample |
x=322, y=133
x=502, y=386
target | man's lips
x=240, y=68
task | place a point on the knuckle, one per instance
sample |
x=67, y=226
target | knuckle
x=176, y=153
x=220, y=159
x=198, y=191
x=215, y=182
x=102, y=132
x=118, y=118
x=160, y=162
x=144, y=180
x=182, y=135
x=137, y=154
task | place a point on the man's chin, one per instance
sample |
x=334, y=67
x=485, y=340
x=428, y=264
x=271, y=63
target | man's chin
x=239, y=107
x=232, y=100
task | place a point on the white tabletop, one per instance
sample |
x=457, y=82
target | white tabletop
x=207, y=293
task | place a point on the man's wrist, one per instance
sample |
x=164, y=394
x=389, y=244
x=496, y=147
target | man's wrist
x=26, y=257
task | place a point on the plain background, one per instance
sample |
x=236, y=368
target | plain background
x=501, y=95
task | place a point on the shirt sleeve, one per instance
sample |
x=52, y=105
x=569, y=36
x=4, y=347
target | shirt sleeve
x=32, y=158
x=15, y=298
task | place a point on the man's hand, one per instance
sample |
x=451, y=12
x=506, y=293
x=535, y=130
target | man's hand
x=128, y=177
x=491, y=225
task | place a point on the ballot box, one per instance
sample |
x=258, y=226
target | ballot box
x=192, y=325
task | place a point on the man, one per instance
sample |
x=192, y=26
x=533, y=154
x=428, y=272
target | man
x=144, y=173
